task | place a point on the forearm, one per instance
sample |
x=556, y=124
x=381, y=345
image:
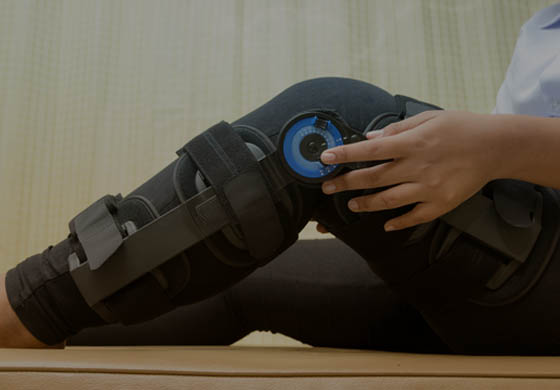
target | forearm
x=528, y=149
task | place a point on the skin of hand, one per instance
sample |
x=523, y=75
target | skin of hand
x=439, y=159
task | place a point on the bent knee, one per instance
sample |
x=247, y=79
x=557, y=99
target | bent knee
x=357, y=102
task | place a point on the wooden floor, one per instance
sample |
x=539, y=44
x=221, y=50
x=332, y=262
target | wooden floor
x=95, y=96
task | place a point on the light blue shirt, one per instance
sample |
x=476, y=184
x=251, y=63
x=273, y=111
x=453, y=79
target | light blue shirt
x=532, y=82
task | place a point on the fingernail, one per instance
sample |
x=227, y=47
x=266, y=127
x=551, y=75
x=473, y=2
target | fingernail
x=353, y=205
x=328, y=157
x=328, y=188
x=389, y=228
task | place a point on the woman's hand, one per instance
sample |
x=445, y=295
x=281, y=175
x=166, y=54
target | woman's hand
x=439, y=160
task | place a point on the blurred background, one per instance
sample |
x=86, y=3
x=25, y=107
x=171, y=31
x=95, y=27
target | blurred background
x=96, y=96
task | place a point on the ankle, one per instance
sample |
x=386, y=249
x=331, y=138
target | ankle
x=13, y=334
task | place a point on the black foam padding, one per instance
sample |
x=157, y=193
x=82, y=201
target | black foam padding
x=159, y=190
x=137, y=209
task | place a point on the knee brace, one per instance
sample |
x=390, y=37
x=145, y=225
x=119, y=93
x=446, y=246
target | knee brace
x=235, y=198
x=213, y=213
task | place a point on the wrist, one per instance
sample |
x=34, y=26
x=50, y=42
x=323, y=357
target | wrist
x=506, y=140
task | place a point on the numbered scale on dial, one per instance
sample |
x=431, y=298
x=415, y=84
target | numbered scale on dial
x=305, y=137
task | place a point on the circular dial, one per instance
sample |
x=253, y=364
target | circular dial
x=304, y=140
x=312, y=145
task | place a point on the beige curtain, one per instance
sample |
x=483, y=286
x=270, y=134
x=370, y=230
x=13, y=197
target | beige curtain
x=95, y=96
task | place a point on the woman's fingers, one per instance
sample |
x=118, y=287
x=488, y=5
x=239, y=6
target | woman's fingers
x=394, y=197
x=389, y=144
x=379, y=146
x=389, y=173
x=421, y=213
x=407, y=124
x=368, y=150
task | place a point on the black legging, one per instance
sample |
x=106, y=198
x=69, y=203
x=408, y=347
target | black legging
x=319, y=292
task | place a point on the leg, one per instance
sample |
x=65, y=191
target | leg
x=53, y=294
x=319, y=292
x=452, y=291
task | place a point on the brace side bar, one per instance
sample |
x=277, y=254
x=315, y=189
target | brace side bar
x=152, y=245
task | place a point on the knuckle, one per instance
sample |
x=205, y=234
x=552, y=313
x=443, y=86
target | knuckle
x=425, y=167
x=392, y=128
x=449, y=197
x=434, y=183
x=420, y=143
x=344, y=182
x=371, y=147
x=341, y=154
x=388, y=201
x=371, y=180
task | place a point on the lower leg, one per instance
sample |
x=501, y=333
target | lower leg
x=319, y=292
x=13, y=334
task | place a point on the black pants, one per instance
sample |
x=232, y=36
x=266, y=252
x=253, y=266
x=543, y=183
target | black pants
x=450, y=295
x=319, y=292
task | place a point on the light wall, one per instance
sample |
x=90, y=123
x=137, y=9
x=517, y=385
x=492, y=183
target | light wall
x=95, y=96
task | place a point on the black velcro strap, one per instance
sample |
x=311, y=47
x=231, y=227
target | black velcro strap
x=97, y=232
x=462, y=274
x=478, y=218
x=229, y=166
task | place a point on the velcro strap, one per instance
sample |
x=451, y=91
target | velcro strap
x=477, y=216
x=461, y=275
x=97, y=231
x=516, y=202
x=229, y=166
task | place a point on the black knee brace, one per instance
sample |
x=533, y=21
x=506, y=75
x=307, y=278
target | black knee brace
x=236, y=197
